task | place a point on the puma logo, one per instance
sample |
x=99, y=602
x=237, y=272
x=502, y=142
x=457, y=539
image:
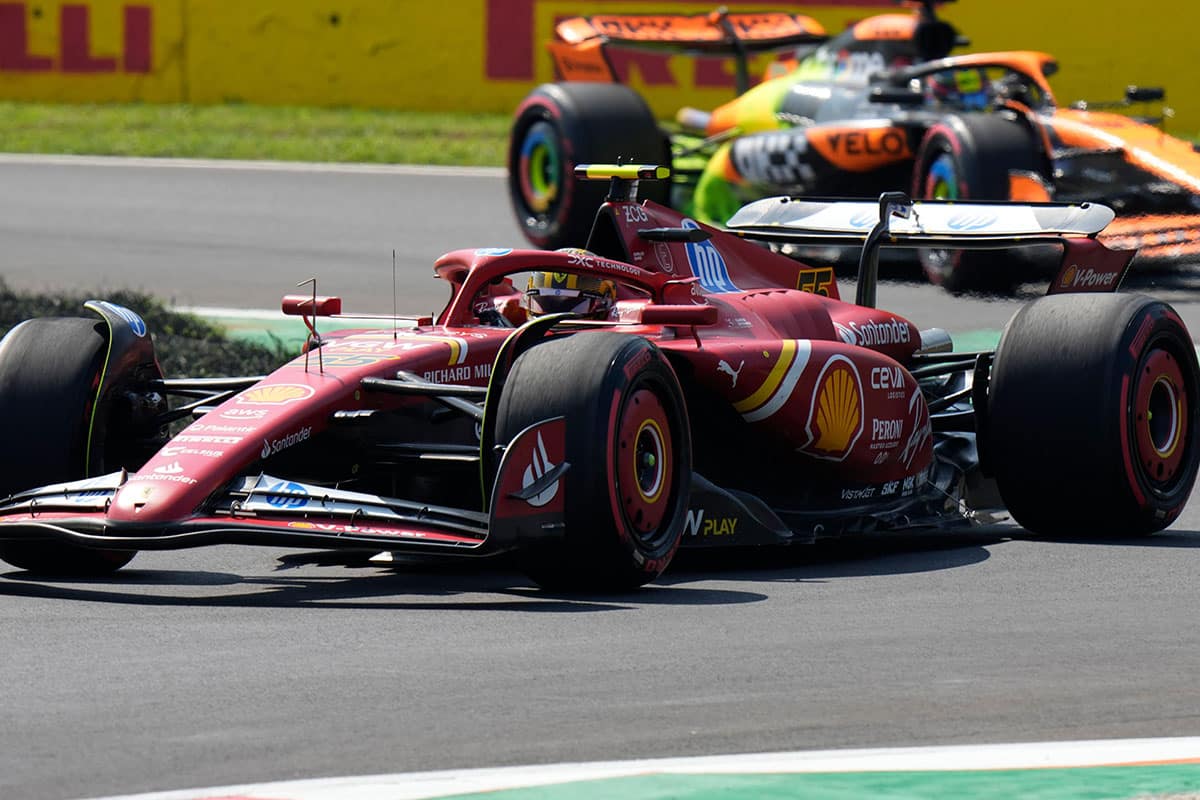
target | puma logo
x=723, y=366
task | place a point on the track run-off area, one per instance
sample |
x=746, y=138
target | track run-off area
x=245, y=667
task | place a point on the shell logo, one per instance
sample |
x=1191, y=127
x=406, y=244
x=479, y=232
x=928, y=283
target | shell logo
x=1068, y=278
x=836, y=420
x=275, y=395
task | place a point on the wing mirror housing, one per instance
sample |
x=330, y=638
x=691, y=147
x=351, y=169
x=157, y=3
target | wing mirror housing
x=1144, y=94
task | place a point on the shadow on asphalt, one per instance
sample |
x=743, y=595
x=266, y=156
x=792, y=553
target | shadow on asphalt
x=330, y=580
x=344, y=581
x=847, y=557
x=1167, y=538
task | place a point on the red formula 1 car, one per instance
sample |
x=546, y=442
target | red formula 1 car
x=672, y=383
x=879, y=107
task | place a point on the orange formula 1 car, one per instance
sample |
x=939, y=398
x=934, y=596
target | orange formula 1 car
x=880, y=107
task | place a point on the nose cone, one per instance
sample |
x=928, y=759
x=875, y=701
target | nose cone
x=150, y=497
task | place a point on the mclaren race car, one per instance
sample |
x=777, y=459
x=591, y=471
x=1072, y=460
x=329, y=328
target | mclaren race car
x=880, y=107
x=671, y=384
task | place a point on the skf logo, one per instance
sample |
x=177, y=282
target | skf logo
x=836, y=419
x=74, y=41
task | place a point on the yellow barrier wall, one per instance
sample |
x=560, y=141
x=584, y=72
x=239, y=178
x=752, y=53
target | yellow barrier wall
x=486, y=54
x=92, y=51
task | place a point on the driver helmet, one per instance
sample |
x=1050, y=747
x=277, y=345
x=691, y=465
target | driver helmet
x=961, y=88
x=561, y=292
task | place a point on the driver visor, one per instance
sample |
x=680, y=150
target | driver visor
x=561, y=301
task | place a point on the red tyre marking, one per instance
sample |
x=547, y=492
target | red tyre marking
x=1131, y=474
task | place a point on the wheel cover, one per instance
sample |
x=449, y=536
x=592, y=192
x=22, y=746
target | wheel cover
x=645, y=460
x=941, y=183
x=540, y=167
x=1160, y=417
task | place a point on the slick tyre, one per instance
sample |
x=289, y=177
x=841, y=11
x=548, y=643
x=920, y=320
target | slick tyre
x=629, y=450
x=560, y=125
x=969, y=157
x=49, y=374
x=1091, y=420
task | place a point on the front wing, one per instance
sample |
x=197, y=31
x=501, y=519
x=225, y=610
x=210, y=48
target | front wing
x=270, y=510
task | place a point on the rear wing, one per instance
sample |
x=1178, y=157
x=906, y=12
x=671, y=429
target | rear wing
x=897, y=221
x=924, y=223
x=581, y=42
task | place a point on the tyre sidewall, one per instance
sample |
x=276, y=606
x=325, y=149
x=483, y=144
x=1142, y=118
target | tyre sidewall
x=50, y=370
x=592, y=123
x=1061, y=435
x=589, y=378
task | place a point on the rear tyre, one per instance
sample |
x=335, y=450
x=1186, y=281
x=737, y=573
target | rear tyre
x=50, y=371
x=629, y=449
x=1092, y=415
x=969, y=158
x=560, y=125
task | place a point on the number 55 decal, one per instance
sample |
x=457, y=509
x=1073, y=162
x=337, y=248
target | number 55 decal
x=816, y=281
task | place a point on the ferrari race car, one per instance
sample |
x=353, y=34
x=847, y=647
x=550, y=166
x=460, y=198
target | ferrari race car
x=877, y=108
x=672, y=383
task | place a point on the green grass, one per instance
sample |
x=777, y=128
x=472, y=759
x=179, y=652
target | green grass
x=185, y=344
x=255, y=132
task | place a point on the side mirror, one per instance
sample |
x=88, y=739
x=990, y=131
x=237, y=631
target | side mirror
x=301, y=305
x=898, y=95
x=1144, y=94
x=679, y=315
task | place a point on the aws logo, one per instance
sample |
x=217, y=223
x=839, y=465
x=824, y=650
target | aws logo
x=836, y=419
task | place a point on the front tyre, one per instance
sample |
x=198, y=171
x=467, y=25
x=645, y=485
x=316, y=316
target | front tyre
x=1092, y=415
x=50, y=371
x=629, y=448
x=560, y=125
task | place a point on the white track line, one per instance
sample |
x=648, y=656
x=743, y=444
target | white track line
x=258, y=166
x=421, y=785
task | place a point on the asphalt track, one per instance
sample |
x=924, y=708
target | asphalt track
x=238, y=665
